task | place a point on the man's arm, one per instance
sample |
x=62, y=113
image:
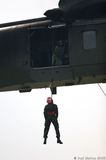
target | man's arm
x=45, y=113
x=57, y=112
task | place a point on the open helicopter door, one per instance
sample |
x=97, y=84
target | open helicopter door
x=44, y=43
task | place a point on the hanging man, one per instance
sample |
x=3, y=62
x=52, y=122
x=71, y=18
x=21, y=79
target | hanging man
x=51, y=115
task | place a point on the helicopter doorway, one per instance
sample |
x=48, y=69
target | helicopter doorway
x=49, y=47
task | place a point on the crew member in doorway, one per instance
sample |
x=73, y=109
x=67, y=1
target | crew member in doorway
x=51, y=116
x=57, y=57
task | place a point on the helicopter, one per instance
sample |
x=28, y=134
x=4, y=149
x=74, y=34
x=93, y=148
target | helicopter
x=66, y=47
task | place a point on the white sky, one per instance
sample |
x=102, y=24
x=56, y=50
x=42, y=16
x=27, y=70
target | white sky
x=13, y=10
x=82, y=110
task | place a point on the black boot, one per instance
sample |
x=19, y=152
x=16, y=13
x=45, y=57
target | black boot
x=59, y=141
x=45, y=141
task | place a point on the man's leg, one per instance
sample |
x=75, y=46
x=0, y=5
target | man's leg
x=56, y=126
x=46, y=130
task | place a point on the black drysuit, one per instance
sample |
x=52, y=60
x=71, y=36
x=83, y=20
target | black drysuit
x=51, y=115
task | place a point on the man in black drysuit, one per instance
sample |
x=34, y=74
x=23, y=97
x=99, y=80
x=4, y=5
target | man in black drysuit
x=51, y=115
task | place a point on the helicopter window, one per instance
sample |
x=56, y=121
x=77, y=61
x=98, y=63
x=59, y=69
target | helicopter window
x=89, y=39
x=49, y=47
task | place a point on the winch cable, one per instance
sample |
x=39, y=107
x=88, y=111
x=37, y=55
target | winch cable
x=102, y=89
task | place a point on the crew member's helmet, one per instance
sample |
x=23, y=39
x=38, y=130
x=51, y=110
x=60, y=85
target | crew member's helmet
x=60, y=43
x=49, y=100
